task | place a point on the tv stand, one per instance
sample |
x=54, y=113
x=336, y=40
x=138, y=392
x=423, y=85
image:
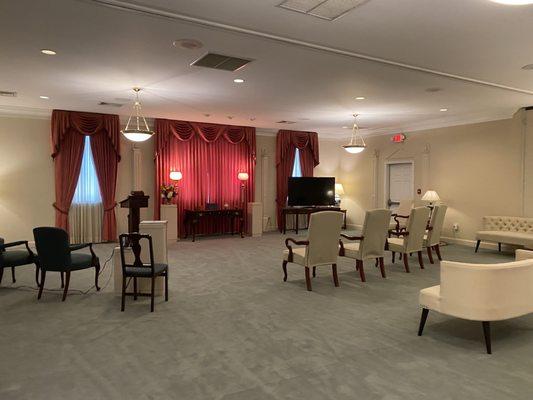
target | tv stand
x=307, y=211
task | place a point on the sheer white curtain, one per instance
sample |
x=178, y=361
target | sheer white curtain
x=86, y=212
x=297, y=167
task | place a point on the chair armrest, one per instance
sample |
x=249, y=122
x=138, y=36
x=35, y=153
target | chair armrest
x=4, y=246
x=296, y=242
x=352, y=237
x=398, y=233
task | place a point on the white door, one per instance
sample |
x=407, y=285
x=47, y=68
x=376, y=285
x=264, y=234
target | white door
x=400, y=183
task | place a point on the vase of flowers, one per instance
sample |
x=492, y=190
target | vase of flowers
x=168, y=192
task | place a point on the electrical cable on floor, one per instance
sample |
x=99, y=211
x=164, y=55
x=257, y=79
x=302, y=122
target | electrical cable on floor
x=71, y=291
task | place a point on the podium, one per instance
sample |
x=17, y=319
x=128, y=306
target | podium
x=135, y=201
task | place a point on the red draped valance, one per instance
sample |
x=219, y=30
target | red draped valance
x=185, y=131
x=84, y=123
x=287, y=141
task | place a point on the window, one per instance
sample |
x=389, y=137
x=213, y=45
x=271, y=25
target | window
x=297, y=167
x=88, y=189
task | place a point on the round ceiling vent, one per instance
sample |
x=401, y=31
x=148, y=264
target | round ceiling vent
x=188, y=44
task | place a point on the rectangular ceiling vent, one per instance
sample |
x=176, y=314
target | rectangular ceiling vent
x=7, y=93
x=222, y=62
x=105, y=103
x=329, y=10
x=285, y=122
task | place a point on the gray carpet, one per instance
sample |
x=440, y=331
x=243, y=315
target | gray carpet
x=234, y=330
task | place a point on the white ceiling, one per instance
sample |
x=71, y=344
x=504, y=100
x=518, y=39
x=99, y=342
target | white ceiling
x=103, y=52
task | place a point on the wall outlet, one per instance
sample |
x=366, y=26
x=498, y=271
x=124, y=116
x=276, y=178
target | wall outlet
x=455, y=227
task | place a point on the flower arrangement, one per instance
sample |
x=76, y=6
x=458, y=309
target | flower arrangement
x=168, y=192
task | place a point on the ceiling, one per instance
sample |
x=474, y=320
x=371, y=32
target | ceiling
x=306, y=69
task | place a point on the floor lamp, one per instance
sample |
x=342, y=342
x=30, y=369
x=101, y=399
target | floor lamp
x=243, y=177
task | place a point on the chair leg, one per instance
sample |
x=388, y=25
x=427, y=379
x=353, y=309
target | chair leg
x=123, y=300
x=13, y=274
x=67, y=281
x=135, y=288
x=406, y=262
x=166, y=286
x=486, y=332
x=1, y=274
x=477, y=245
x=423, y=319
x=437, y=250
x=361, y=270
x=382, y=267
x=62, y=280
x=499, y=247
x=420, y=260
x=37, y=274
x=308, y=279
x=41, y=287
x=430, y=255
x=314, y=272
x=335, y=276
x=284, y=266
x=96, y=275
x=152, y=295
x=393, y=255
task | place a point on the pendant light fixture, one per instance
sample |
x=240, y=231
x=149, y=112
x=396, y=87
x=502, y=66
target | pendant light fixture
x=137, y=132
x=357, y=143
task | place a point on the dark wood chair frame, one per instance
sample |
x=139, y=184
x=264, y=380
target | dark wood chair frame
x=359, y=263
x=65, y=275
x=484, y=324
x=5, y=246
x=133, y=240
x=290, y=258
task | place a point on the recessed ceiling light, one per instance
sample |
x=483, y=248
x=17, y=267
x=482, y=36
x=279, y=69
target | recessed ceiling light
x=513, y=2
x=188, y=44
x=528, y=67
x=360, y=98
x=433, y=89
x=238, y=80
x=443, y=109
x=48, y=52
x=345, y=127
x=44, y=97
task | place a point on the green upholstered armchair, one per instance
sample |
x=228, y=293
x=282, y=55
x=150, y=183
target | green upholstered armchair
x=11, y=257
x=55, y=253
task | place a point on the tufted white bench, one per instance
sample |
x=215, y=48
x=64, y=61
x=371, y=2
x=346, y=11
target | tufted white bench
x=508, y=230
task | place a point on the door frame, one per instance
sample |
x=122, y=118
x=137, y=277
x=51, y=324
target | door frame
x=386, y=180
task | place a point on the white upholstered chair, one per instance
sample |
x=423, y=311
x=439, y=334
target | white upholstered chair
x=401, y=214
x=321, y=245
x=432, y=238
x=410, y=240
x=371, y=243
x=482, y=292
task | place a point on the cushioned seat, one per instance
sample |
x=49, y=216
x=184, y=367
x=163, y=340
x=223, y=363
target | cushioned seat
x=508, y=237
x=145, y=271
x=351, y=250
x=509, y=230
x=13, y=258
x=298, y=255
x=396, y=244
x=430, y=298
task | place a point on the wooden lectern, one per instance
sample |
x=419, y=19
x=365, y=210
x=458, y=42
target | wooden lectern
x=135, y=201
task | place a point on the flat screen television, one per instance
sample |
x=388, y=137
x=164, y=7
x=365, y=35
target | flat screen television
x=311, y=192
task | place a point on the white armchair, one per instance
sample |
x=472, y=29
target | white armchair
x=371, y=243
x=321, y=245
x=432, y=238
x=410, y=240
x=482, y=292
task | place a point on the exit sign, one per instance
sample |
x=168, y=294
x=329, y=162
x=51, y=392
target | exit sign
x=398, y=138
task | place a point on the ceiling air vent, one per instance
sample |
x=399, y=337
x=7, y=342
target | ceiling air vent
x=105, y=103
x=219, y=61
x=325, y=9
x=7, y=93
x=285, y=122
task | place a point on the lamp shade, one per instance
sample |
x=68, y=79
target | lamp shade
x=339, y=190
x=431, y=196
x=176, y=175
x=243, y=176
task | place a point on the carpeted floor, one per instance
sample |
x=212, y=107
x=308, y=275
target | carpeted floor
x=234, y=330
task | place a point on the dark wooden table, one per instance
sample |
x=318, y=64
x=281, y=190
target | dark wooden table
x=307, y=211
x=193, y=217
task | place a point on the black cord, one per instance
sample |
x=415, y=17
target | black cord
x=71, y=291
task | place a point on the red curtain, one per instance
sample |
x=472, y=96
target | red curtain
x=209, y=156
x=286, y=144
x=68, y=130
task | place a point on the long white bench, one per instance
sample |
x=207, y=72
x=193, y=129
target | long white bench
x=508, y=230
